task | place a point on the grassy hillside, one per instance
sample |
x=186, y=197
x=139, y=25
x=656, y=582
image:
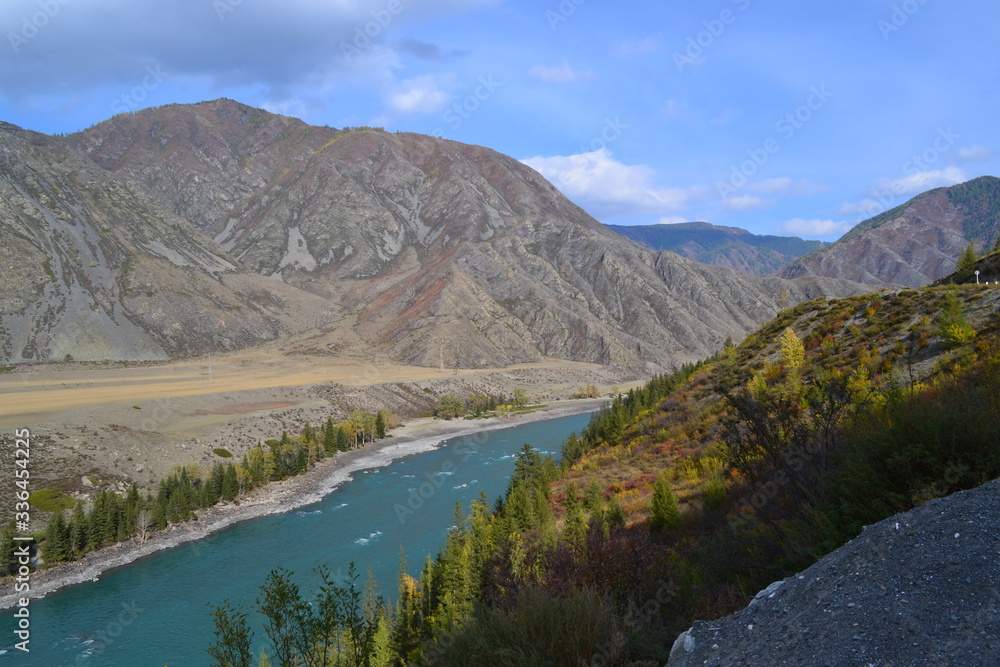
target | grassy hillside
x=692, y=493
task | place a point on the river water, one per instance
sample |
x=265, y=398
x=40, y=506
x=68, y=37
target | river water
x=155, y=611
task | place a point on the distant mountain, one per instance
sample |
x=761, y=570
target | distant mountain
x=188, y=228
x=915, y=243
x=731, y=247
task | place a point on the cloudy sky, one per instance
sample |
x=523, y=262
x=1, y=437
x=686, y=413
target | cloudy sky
x=783, y=117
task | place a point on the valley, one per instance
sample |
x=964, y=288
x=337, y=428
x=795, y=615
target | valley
x=133, y=423
x=205, y=287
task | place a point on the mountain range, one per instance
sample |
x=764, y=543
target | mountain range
x=188, y=229
x=730, y=247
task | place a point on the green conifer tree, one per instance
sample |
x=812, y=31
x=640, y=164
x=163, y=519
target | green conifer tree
x=966, y=264
x=230, y=483
x=78, y=530
x=343, y=444
x=57, y=540
x=664, y=513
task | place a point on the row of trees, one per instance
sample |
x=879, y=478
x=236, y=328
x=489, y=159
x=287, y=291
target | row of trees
x=451, y=406
x=186, y=489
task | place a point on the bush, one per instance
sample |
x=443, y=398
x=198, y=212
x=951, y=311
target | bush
x=716, y=496
x=542, y=629
x=224, y=453
x=51, y=500
x=449, y=406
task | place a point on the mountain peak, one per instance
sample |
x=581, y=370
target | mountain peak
x=915, y=243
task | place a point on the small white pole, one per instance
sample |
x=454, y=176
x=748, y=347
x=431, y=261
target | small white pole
x=977, y=276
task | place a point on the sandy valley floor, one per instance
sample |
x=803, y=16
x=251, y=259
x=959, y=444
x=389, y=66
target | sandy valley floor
x=104, y=426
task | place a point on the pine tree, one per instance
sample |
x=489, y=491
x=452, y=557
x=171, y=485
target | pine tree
x=966, y=264
x=213, y=486
x=329, y=436
x=78, y=530
x=130, y=512
x=230, y=484
x=616, y=516
x=405, y=637
x=57, y=540
x=793, y=352
x=343, y=444
x=593, y=500
x=665, y=514
x=575, y=528
x=379, y=425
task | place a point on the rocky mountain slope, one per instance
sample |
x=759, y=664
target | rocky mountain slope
x=730, y=247
x=94, y=269
x=432, y=251
x=913, y=244
x=919, y=588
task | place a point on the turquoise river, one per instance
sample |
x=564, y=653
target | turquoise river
x=155, y=611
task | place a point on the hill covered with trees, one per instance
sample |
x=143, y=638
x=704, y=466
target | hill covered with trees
x=687, y=496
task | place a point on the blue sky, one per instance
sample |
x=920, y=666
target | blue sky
x=798, y=118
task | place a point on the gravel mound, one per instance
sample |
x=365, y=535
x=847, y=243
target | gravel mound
x=919, y=588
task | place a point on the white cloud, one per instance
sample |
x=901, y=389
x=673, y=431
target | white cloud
x=281, y=48
x=813, y=228
x=562, y=73
x=672, y=220
x=422, y=94
x=746, y=203
x=920, y=181
x=974, y=154
x=866, y=207
x=606, y=187
x=886, y=192
x=786, y=186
